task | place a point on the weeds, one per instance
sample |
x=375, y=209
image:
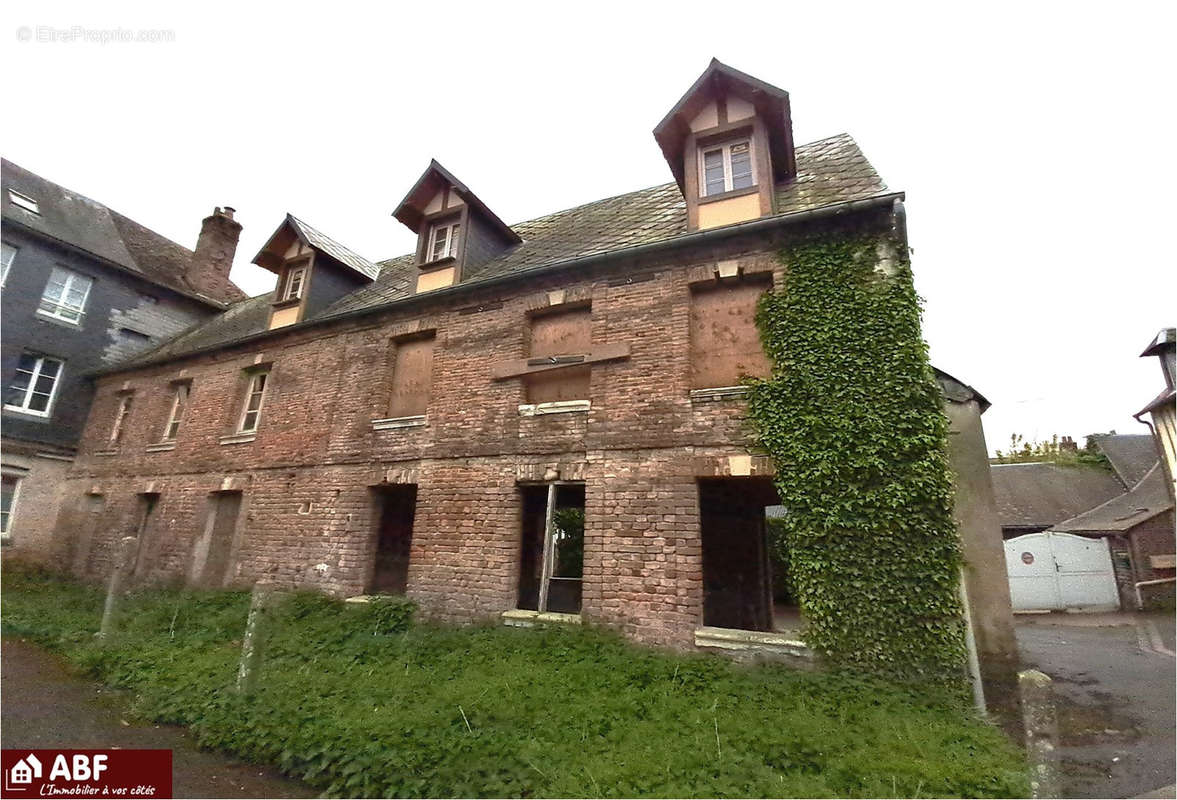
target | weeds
x=358, y=703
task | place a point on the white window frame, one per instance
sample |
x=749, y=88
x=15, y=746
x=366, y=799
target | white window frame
x=126, y=400
x=38, y=366
x=176, y=417
x=6, y=523
x=301, y=271
x=24, y=201
x=452, y=231
x=250, y=390
x=725, y=148
x=61, y=306
x=6, y=258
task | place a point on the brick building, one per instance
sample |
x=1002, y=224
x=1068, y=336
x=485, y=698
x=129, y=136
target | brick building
x=83, y=287
x=514, y=421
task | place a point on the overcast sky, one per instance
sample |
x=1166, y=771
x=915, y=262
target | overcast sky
x=1034, y=141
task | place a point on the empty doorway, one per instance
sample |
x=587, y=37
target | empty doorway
x=551, y=558
x=745, y=581
x=214, y=550
x=395, y=508
x=144, y=509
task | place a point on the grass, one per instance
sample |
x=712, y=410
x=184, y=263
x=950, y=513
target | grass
x=360, y=704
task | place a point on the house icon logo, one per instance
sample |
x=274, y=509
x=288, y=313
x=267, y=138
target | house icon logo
x=24, y=770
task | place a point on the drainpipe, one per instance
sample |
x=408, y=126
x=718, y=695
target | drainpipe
x=970, y=641
x=1157, y=582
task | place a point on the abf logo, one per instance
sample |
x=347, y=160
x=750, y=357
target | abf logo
x=25, y=770
x=80, y=768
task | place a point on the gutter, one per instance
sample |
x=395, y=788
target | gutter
x=597, y=259
x=106, y=262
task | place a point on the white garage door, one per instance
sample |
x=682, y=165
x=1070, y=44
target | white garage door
x=1057, y=571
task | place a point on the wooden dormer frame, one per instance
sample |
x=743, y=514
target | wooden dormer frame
x=753, y=129
x=278, y=305
x=461, y=215
x=493, y=233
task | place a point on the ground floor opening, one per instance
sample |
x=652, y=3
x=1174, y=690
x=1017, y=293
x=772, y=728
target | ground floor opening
x=745, y=578
x=551, y=557
x=395, y=509
x=211, y=557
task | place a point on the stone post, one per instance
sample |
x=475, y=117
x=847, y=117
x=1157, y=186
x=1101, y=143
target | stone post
x=124, y=562
x=1039, y=717
x=256, y=625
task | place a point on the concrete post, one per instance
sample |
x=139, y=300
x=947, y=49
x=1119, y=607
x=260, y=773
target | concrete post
x=124, y=562
x=260, y=605
x=1039, y=717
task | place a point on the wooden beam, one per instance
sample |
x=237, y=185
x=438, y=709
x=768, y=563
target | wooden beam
x=518, y=367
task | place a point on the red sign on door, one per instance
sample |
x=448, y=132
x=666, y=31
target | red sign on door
x=87, y=773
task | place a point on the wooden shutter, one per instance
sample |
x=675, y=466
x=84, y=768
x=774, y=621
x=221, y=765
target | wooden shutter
x=412, y=377
x=562, y=334
x=725, y=344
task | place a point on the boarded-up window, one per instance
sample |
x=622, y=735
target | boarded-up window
x=725, y=344
x=568, y=333
x=412, y=376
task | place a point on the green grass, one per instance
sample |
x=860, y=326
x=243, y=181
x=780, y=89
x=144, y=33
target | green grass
x=357, y=703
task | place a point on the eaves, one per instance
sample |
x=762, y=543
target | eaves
x=677, y=243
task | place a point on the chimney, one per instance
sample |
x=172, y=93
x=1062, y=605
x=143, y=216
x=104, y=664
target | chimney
x=208, y=272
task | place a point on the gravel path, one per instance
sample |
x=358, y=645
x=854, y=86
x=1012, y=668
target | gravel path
x=46, y=706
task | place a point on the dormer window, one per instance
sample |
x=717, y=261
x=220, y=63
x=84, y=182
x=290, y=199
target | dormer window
x=293, y=283
x=729, y=144
x=726, y=167
x=443, y=240
x=456, y=232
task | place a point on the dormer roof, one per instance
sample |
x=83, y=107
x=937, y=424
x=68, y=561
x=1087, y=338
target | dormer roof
x=411, y=210
x=1166, y=340
x=720, y=80
x=292, y=227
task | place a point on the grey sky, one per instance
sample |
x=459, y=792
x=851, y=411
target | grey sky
x=1034, y=142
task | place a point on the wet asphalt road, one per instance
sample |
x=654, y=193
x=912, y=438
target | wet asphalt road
x=1115, y=688
x=43, y=705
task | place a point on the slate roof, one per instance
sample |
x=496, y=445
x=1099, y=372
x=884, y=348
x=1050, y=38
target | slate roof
x=830, y=171
x=1131, y=456
x=1144, y=501
x=1039, y=495
x=321, y=241
x=88, y=225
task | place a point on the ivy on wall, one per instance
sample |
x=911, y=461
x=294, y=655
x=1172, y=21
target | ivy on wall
x=852, y=419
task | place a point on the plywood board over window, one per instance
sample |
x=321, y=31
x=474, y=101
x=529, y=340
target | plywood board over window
x=412, y=376
x=566, y=333
x=725, y=345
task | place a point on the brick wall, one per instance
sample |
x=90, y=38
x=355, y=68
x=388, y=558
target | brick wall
x=1155, y=537
x=309, y=517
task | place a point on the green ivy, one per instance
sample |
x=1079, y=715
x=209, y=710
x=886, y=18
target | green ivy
x=852, y=419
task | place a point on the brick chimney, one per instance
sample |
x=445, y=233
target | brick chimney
x=208, y=272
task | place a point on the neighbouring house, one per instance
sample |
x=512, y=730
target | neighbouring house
x=1163, y=408
x=1080, y=537
x=83, y=287
x=541, y=421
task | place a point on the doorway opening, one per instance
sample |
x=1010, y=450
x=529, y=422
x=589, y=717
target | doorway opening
x=217, y=542
x=395, y=509
x=746, y=584
x=551, y=558
x=144, y=509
